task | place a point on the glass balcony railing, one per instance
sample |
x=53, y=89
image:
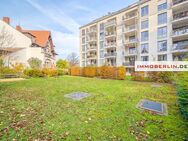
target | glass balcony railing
x=110, y=33
x=110, y=54
x=110, y=23
x=175, y=2
x=179, y=47
x=129, y=28
x=108, y=45
x=180, y=15
x=129, y=63
x=129, y=16
x=180, y=31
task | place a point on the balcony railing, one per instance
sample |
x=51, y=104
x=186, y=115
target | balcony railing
x=92, y=48
x=130, y=16
x=180, y=15
x=131, y=52
x=130, y=41
x=110, y=23
x=110, y=34
x=92, y=56
x=110, y=54
x=129, y=63
x=179, y=47
x=109, y=45
x=129, y=28
x=175, y=2
x=180, y=31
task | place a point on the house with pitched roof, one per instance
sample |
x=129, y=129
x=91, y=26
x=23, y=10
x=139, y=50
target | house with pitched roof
x=18, y=45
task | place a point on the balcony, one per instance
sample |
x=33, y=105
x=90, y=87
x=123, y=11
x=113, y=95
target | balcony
x=110, y=45
x=110, y=23
x=92, y=57
x=131, y=53
x=180, y=18
x=92, y=39
x=92, y=48
x=129, y=63
x=110, y=55
x=179, y=48
x=130, y=42
x=179, y=4
x=130, y=30
x=130, y=18
x=180, y=34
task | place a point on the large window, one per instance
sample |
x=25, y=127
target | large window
x=144, y=48
x=144, y=24
x=102, y=36
x=83, y=40
x=144, y=36
x=132, y=50
x=144, y=58
x=162, y=18
x=83, y=47
x=102, y=27
x=162, y=32
x=83, y=32
x=162, y=46
x=162, y=6
x=144, y=11
x=101, y=44
x=101, y=54
x=162, y=57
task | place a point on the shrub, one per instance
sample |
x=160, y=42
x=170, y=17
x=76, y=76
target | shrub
x=60, y=72
x=182, y=92
x=121, y=73
x=108, y=72
x=35, y=63
x=33, y=73
x=18, y=67
x=1, y=63
x=76, y=71
x=161, y=77
x=89, y=71
x=6, y=70
x=138, y=76
x=49, y=72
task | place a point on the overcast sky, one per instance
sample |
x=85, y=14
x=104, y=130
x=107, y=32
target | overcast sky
x=62, y=17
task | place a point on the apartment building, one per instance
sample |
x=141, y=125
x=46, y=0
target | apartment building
x=18, y=45
x=149, y=30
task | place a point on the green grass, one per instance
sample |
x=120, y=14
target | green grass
x=36, y=109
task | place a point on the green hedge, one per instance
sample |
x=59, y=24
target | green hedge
x=182, y=92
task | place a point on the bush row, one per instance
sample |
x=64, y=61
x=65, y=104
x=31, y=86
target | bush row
x=43, y=72
x=161, y=77
x=106, y=72
x=182, y=92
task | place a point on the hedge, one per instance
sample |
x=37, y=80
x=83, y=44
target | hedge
x=105, y=72
x=182, y=92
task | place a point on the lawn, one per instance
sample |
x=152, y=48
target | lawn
x=37, y=109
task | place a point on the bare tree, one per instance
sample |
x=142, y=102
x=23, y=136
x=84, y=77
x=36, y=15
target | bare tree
x=6, y=41
x=73, y=59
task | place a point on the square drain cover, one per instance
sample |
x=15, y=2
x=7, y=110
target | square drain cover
x=77, y=95
x=157, y=107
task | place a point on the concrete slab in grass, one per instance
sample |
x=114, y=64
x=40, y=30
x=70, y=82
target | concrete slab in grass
x=77, y=95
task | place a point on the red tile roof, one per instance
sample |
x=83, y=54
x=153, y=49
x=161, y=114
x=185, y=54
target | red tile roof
x=42, y=36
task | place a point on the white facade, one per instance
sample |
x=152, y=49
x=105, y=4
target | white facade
x=22, y=48
x=148, y=30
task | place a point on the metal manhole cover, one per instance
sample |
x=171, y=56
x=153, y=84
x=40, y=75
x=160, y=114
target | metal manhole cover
x=157, y=107
x=77, y=95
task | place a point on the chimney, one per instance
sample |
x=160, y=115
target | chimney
x=18, y=28
x=6, y=19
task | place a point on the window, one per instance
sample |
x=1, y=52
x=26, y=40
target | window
x=144, y=11
x=144, y=24
x=132, y=50
x=162, y=18
x=144, y=48
x=102, y=36
x=162, y=57
x=102, y=27
x=144, y=58
x=83, y=47
x=144, y=36
x=132, y=38
x=101, y=54
x=83, y=32
x=162, y=6
x=101, y=44
x=162, y=46
x=83, y=40
x=162, y=32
